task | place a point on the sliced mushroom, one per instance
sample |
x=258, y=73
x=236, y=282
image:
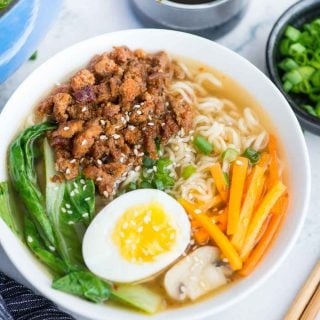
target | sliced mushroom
x=195, y=275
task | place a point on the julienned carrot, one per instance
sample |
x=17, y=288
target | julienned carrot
x=281, y=205
x=239, y=173
x=262, y=245
x=219, y=181
x=248, y=206
x=273, y=167
x=261, y=191
x=222, y=220
x=215, y=233
x=264, y=160
x=260, y=216
x=201, y=236
x=216, y=201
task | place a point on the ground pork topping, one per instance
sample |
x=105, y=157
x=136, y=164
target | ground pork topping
x=111, y=113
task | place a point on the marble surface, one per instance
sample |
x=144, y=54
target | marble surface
x=82, y=19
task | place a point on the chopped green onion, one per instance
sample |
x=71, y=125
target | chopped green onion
x=310, y=110
x=148, y=162
x=145, y=185
x=306, y=72
x=287, y=86
x=296, y=49
x=292, y=33
x=288, y=64
x=229, y=155
x=317, y=109
x=284, y=46
x=158, y=184
x=293, y=76
x=132, y=186
x=203, y=145
x=252, y=155
x=188, y=171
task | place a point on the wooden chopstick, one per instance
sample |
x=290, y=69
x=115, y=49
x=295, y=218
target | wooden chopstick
x=313, y=307
x=304, y=296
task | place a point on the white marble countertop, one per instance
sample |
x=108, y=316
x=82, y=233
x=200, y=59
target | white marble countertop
x=270, y=301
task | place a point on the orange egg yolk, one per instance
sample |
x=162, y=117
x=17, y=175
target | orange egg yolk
x=144, y=232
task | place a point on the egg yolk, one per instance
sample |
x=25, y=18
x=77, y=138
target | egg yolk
x=143, y=232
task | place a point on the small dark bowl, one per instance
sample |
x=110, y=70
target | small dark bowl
x=300, y=13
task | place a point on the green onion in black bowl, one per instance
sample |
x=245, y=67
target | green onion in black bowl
x=293, y=60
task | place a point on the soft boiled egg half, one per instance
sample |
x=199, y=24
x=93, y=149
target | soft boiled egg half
x=135, y=236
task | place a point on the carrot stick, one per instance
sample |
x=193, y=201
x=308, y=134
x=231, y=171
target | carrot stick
x=222, y=220
x=261, y=191
x=201, y=236
x=248, y=206
x=273, y=167
x=220, y=181
x=281, y=205
x=216, y=234
x=260, y=216
x=239, y=174
x=262, y=245
x=214, y=202
x=264, y=160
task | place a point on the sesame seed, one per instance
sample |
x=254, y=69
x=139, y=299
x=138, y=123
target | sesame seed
x=68, y=205
x=163, y=124
x=116, y=136
x=72, y=194
x=84, y=142
x=136, y=106
x=139, y=112
x=73, y=161
x=197, y=211
x=99, y=179
x=146, y=219
x=68, y=171
x=70, y=222
x=52, y=248
x=140, y=229
x=87, y=199
x=127, y=118
x=82, y=181
x=167, y=104
x=99, y=162
x=85, y=215
x=29, y=239
x=84, y=188
x=102, y=122
x=66, y=128
x=106, y=194
x=135, y=151
x=121, y=234
x=225, y=260
x=84, y=109
x=239, y=162
x=131, y=127
x=150, y=124
x=154, y=168
x=121, y=159
x=69, y=211
x=63, y=210
x=137, y=168
x=103, y=137
x=156, y=228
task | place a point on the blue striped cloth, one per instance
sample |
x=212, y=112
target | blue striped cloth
x=19, y=303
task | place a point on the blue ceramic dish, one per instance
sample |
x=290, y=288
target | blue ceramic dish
x=23, y=24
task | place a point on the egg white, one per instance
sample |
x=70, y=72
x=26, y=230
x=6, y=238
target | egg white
x=101, y=254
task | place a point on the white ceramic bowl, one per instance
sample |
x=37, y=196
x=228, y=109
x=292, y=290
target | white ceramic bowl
x=289, y=133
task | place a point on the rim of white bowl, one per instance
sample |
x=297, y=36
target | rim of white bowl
x=64, y=300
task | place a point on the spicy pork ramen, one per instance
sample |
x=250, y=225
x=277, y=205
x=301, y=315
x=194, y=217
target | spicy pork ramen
x=146, y=180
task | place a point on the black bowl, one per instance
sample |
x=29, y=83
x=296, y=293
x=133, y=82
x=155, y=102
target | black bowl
x=300, y=13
